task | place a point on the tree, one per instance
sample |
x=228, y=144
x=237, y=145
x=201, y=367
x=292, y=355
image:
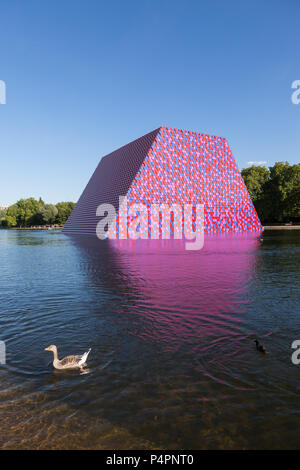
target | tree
x=10, y=221
x=64, y=210
x=11, y=216
x=27, y=210
x=293, y=200
x=48, y=213
x=2, y=216
x=291, y=196
x=275, y=192
x=282, y=192
x=256, y=178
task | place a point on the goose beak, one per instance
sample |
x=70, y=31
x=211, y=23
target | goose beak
x=47, y=349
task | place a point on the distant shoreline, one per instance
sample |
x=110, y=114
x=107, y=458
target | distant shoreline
x=282, y=227
x=36, y=227
x=60, y=227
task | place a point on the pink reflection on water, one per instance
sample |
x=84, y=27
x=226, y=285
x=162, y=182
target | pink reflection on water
x=189, y=295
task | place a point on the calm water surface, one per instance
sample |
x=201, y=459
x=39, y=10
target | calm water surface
x=173, y=363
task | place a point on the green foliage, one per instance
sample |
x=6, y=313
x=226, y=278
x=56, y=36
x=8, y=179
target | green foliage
x=12, y=210
x=64, y=210
x=10, y=221
x=255, y=178
x=47, y=213
x=275, y=191
x=29, y=212
x=11, y=216
x=3, y=213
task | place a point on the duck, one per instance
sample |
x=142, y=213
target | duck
x=68, y=362
x=260, y=347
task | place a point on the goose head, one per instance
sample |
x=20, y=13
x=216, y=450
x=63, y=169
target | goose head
x=51, y=348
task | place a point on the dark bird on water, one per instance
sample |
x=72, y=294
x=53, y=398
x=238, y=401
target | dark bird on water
x=260, y=347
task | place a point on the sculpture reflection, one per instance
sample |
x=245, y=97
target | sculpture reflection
x=175, y=295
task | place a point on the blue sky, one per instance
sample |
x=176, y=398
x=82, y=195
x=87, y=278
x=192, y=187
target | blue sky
x=85, y=77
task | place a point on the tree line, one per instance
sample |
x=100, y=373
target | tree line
x=30, y=212
x=275, y=191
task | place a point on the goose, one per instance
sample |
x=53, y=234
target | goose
x=260, y=347
x=68, y=362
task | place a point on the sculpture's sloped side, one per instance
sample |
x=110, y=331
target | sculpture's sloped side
x=111, y=179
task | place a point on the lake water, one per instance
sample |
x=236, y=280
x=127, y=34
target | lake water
x=173, y=363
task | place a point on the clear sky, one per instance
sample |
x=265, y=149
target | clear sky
x=85, y=77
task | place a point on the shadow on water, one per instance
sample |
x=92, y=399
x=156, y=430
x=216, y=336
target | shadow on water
x=173, y=363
